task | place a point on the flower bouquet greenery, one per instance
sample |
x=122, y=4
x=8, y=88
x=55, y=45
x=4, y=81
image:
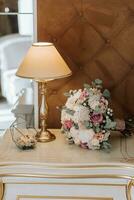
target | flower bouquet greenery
x=87, y=118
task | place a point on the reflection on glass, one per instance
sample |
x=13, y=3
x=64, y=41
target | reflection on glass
x=19, y=22
x=25, y=24
x=12, y=5
x=21, y=6
x=8, y=24
x=25, y=6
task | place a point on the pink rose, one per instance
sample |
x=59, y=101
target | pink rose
x=96, y=118
x=84, y=145
x=83, y=95
x=120, y=125
x=68, y=124
x=104, y=101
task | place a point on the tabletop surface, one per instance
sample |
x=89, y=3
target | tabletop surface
x=59, y=151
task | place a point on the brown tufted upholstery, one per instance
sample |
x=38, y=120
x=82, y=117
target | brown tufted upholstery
x=94, y=46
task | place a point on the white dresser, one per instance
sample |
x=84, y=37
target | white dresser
x=58, y=171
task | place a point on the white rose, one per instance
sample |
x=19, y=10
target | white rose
x=95, y=91
x=65, y=116
x=70, y=103
x=93, y=104
x=77, y=141
x=103, y=104
x=72, y=100
x=93, y=101
x=94, y=144
x=74, y=132
x=85, y=135
x=106, y=136
x=81, y=125
x=81, y=114
x=102, y=108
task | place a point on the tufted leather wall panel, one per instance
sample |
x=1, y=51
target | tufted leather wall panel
x=96, y=38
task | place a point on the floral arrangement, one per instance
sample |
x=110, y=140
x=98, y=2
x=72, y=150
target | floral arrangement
x=125, y=126
x=86, y=117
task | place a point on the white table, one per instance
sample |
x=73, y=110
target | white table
x=57, y=170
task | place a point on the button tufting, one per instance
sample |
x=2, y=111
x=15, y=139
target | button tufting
x=54, y=39
x=80, y=67
x=81, y=14
x=54, y=92
x=108, y=42
x=84, y=39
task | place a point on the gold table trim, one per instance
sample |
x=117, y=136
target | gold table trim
x=19, y=197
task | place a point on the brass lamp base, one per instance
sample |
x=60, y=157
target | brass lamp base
x=45, y=136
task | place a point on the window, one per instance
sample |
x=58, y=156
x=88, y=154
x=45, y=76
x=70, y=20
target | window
x=16, y=16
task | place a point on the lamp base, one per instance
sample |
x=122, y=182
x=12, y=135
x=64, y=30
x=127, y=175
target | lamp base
x=45, y=136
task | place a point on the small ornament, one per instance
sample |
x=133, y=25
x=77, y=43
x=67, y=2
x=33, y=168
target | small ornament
x=7, y=9
x=26, y=142
x=23, y=138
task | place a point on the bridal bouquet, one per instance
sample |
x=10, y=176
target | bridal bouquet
x=87, y=118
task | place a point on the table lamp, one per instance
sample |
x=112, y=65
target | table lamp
x=43, y=63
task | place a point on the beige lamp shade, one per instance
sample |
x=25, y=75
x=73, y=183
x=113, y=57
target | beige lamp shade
x=43, y=62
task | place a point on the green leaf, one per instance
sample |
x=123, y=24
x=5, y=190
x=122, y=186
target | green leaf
x=110, y=124
x=64, y=108
x=67, y=94
x=76, y=126
x=87, y=86
x=97, y=129
x=70, y=112
x=106, y=93
x=106, y=146
x=97, y=109
x=98, y=81
x=87, y=124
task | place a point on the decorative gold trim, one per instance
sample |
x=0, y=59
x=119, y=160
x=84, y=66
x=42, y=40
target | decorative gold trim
x=128, y=189
x=19, y=197
x=64, y=176
x=82, y=184
x=1, y=190
x=68, y=166
x=85, y=176
x=114, y=176
x=128, y=186
x=68, y=183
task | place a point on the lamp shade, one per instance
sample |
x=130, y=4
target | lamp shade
x=43, y=62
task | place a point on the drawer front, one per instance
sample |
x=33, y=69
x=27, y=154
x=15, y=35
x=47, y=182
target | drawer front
x=68, y=191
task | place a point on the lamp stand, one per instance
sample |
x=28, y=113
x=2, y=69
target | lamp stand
x=44, y=135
